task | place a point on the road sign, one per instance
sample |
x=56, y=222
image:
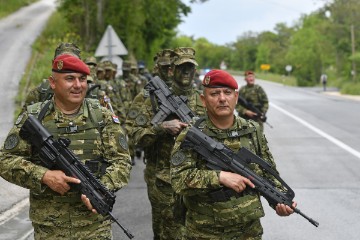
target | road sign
x=288, y=68
x=110, y=45
x=265, y=67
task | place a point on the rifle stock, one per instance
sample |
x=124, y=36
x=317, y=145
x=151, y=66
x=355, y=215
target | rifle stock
x=219, y=156
x=55, y=154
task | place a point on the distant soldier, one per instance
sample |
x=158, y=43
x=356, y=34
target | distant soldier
x=323, y=80
x=126, y=85
x=255, y=95
x=112, y=92
x=143, y=71
x=92, y=64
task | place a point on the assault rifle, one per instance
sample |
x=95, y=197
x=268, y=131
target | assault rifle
x=168, y=102
x=220, y=157
x=55, y=154
x=259, y=115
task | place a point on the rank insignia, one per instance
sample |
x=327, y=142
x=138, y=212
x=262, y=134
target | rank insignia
x=60, y=64
x=206, y=80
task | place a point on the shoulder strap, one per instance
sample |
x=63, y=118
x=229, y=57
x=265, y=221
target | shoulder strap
x=44, y=110
x=95, y=113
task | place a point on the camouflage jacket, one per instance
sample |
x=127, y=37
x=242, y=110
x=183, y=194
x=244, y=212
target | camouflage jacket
x=191, y=177
x=97, y=135
x=156, y=142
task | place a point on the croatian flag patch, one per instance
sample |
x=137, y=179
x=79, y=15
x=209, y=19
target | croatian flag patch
x=115, y=119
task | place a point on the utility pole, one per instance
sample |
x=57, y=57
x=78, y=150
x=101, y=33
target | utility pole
x=353, y=51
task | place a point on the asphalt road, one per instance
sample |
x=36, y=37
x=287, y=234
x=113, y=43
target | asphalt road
x=17, y=33
x=315, y=142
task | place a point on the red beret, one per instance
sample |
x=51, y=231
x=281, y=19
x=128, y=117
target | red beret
x=219, y=78
x=68, y=64
x=248, y=73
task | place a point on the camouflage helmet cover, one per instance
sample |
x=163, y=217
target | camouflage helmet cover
x=183, y=55
x=164, y=57
x=126, y=65
x=67, y=48
x=91, y=61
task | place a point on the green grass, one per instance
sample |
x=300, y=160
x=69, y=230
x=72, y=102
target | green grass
x=9, y=6
x=286, y=80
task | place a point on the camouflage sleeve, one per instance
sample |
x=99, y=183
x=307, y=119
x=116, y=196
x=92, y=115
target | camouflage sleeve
x=140, y=128
x=116, y=152
x=189, y=176
x=15, y=164
x=263, y=100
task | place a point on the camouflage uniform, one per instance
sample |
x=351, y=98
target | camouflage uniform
x=157, y=145
x=112, y=91
x=162, y=61
x=56, y=216
x=255, y=95
x=126, y=85
x=208, y=217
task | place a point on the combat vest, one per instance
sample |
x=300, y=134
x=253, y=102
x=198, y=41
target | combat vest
x=84, y=131
x=224, y=206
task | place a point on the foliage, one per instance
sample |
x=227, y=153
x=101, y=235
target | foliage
x=144, y=26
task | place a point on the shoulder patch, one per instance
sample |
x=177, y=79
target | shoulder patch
x=11, y=141
x=133, y=113
x=123, y=142
x=141, y=119
x=178, y=158
x=115, y=119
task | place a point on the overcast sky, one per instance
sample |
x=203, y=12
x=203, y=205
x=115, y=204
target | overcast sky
x=222, y=21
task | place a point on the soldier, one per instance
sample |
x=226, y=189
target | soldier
x=111, y=90
x=126, y=85
x=208, y=216
x=162, y=58
x=158, y=139
x=144, y=72
x=256, y=96
x=92, y=64
x=57, y=210
x=43, y=91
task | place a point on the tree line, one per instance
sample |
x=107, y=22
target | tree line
x=324, y=41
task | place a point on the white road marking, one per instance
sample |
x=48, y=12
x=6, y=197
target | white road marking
x=318, y=131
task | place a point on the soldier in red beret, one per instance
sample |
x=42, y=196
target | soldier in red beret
x=253, y=102
x=57, y=209
x=221, y=204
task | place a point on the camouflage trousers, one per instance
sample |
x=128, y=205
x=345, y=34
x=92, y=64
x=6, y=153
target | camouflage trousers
x=97, y=231
x=247, y=231
x=170, y=228
x=155, y=204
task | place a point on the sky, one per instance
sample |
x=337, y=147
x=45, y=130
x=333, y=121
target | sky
x=223, y=21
